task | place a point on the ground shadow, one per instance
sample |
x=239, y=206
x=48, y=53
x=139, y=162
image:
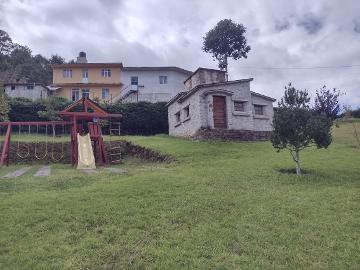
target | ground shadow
x=293, y=171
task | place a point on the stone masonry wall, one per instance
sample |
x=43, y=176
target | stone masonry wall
x=232, y=135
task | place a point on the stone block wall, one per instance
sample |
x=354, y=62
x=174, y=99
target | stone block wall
x=232, y=135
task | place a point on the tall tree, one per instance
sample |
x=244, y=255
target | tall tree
x=296, y=126
x=6, y=44
x=18, y=63
x=56, y=59
x=226, y=39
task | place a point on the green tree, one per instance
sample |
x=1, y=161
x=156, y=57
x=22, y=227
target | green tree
x=56, y=60
x=52, y=106
x=327, y=102
x=18, y=63
x=6, y=44
x=4, y=107
x=226, y=39
x=296, y=126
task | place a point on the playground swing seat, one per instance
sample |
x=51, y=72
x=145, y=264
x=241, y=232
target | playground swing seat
x=53, y=149
x=26, y=146
x=36, y=154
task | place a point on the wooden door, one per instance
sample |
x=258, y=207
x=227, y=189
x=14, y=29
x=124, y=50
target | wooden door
x=219, y=111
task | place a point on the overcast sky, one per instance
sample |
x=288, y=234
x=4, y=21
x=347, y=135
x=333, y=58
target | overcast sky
x=282, y=34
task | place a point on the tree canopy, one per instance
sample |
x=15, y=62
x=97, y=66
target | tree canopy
x=17, y=63
x=226, y=39
x=297, y=126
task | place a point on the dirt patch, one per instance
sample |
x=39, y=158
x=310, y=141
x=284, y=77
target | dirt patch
x=143, y=153
x=35, y=152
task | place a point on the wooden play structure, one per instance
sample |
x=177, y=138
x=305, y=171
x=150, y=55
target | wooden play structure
x=82, y=117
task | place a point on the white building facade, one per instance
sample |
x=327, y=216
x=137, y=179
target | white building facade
x=31, y=91
x=211, y=103
x=152, y=84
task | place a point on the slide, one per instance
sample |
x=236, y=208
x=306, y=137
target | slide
x=86, y=159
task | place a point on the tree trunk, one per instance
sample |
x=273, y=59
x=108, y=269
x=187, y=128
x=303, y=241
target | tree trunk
x=297, y=161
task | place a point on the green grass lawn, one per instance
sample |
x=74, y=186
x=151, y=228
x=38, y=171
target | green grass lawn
x=220, y=206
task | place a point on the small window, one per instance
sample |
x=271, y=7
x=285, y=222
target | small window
x=13, y=87
x=134, y=80
x=163, y=79
x=67, y=73
x=75, y=94
x=106, y=72
x=187, y=111
x=105, y=93
x=85, y=93
x=85, y=73
x=177, y=117
x=30, y=87
x=259, y=109
x=239, y=106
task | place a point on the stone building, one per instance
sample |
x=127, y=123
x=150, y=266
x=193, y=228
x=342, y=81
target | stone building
x=31, y=91
x=211, y=107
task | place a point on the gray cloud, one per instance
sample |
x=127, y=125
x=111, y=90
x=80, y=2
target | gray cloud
x=311, y=23
x=169, y=32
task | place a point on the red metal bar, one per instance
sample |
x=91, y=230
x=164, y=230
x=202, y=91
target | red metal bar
x=5, y=149
x=44, y=123
x=90, y=115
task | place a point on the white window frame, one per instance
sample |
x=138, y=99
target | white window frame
x=67, y=73
x=163, y=79
x=85, y=73
x=75, y=90
x=137, y=80
x=106, y=72
x=105, y=93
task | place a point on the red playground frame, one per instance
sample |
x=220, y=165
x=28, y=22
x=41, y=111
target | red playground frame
x=84, y=110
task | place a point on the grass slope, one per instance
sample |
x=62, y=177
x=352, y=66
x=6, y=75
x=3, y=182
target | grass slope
x=221, y=206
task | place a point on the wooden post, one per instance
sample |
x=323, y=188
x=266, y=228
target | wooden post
x=5, y=153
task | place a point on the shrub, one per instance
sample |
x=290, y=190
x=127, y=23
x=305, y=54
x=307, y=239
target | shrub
x=141, y=118
x=24, y=109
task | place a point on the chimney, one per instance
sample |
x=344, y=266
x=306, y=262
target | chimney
x=204, y=76
x=81, y=59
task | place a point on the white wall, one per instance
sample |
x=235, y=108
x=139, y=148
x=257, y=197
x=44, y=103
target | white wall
x=21, y=91
x=152, y=90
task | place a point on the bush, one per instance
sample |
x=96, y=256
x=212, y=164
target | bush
x=356, y=113
x=24, y=109
x=141, y=118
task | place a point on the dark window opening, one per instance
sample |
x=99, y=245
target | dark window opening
x=259, y=109
x=239, y=106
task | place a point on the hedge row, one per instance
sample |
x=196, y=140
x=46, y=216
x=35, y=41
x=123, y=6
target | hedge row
x=141, y=118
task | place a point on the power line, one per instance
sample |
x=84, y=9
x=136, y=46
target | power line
x=318, y=67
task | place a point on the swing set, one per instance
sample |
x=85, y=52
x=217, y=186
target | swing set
x=75, y=117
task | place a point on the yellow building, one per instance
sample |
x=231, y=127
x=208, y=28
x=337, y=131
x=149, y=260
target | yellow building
x=83, y=79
